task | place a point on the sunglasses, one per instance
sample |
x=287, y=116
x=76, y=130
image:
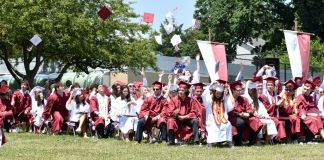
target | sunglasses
x=156, y=89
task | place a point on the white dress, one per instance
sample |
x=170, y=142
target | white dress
x=75, y=112
x=320, y=105
x=217, y=133
x=37, y=112
x=262, y=112
x=124, y=114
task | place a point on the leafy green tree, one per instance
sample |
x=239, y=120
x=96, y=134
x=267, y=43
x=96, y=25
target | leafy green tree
x=73, y=35
x=239, y=21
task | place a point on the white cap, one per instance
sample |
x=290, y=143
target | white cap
x=173, y=87
x=195, y=24
x=184, y=78
x=169, y=17
x=252, y=85
x=35, y=40
x=158, y=39
x=76, y=91
x=217, y=87
x=175, y=40
x=168, y=28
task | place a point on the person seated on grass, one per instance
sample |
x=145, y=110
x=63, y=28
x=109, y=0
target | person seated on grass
x=37, y=111
x=153, y=113
x=99, y=112
x=269, y=127
x=22, y=104
x=219, y=129
x=79, y=110
x=122, y=112
x=288, y=108
x=55, y=107
x=5, y=111
x=182, y=117
x=309, y=113
x=242, y=118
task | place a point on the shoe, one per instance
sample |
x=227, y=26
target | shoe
x=78, y=130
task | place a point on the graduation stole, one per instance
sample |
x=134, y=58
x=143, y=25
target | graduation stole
x=218, y=112
x=287, y=100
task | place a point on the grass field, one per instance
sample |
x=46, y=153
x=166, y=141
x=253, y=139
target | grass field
x=31, y=146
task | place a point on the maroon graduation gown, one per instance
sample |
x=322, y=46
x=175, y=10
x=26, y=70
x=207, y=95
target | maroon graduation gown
x=5, y=111
x=153, y=107
x=242, y=105
x=55, y=107
x=94, y=109
x=186, y=107
x=306, y=104
x=22, y=103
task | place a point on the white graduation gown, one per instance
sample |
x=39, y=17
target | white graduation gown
x=217, y=133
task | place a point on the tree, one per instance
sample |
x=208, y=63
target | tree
x=73, y=35
x=236, y=22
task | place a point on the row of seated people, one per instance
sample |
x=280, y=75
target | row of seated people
x=213, y=111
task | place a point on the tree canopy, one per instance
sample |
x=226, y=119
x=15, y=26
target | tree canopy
x=239, y=21
x=72, y=34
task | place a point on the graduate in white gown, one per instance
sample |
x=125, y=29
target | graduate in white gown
x=260, y=111
x=219, y=129
x=123, y=111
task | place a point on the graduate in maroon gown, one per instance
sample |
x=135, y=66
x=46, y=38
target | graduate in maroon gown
x=55, y=107
x=272, y=109
x=181, y=113
x=309, y=113
x=100, y=105
x=21, y=102
x=153, y=113
x=5, y=110
x=242, y=118
x=199, y=89
x=288, y=108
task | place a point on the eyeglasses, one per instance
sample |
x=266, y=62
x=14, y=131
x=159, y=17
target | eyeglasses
x=238, y=90
x=181, y=90
x=156, y=89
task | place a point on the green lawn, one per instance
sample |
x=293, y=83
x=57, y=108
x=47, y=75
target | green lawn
x=30, y=146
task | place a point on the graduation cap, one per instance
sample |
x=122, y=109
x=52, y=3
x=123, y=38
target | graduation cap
x=169, y=17
x=4, y=89
x=298, y=78
x=35, y=40
x=257, y=80
x=308, y=82
x=291, y=83
x=175, y=40
x=271, y=80
x=119, y=82
x=148, y=17
x=195, y=24
x=76, y=92
x=184, y=85
x=104, y=12
x=173, y=88
x=138, y=84
x=168, y=28
x=252, y=85
x=217, y=87
x=157, y=84
x=235, y=84
x=221, y=82
x=199, y=85
x=317, y=81
x=158, y=39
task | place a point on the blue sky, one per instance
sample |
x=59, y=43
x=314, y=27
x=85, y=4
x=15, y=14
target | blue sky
x=160, y=8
